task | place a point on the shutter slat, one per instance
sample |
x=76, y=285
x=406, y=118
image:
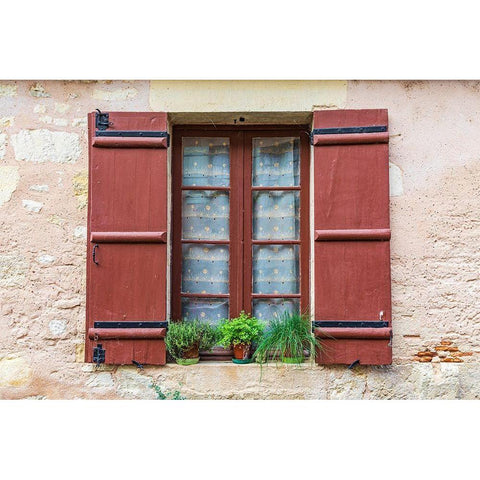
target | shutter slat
x=130, y=333
x=128, y=237
x=352, y=234
x=350, y=138
x=363, y=234
x=120, y=142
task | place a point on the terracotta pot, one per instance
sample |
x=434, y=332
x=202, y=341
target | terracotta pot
x=192, y=352
x=241, y=351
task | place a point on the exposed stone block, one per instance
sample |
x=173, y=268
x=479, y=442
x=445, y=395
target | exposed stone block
x=13, y=270
x=14, y=371
x=8, y=90
x=42, y=145
x=39, y=188
x=80, y=352
x=32, y=205
x=57, y=327
x=80, y=232
x=100, y=380
x=38, y=91
x=115, y=95
x=9, y=179
x=45, y=259
x=80, y=188
x=3, y=145
x=6, y=121
x=396, y=180
x=133, y=384
x=56, y=220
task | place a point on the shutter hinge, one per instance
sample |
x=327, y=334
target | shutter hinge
x=99, y=354
x=126, y=324
x=101, y=120
x=349, y=324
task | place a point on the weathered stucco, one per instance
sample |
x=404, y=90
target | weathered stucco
x=435, y=200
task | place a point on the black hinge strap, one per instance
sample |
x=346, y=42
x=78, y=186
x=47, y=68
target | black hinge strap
x=347, y=130
x=343, y=324
x=144, y=324
x=131, y=133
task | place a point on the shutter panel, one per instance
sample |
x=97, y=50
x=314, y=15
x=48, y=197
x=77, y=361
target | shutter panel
x=127, y=234
x=352, y=233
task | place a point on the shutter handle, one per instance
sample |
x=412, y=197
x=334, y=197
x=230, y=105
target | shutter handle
x=93, y=254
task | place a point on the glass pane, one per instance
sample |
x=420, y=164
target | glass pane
x=206, y=162
x=276, y=215
x=210, y=310
x=275, y=269
x=268, y=308
x=205, y=268
x=205, y=215
x=276, y=162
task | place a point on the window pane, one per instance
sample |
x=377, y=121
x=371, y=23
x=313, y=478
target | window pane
x=205, y=268
x=205, y=215
x=268, y=308
x=276, y=215
x=206, y=162
x=275, y=269
x=276, y=162
x=210, y=310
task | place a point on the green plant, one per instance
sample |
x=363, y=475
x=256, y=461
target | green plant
x=286, y=338
x=243, y=329
x=176, y=395
x=184, y=335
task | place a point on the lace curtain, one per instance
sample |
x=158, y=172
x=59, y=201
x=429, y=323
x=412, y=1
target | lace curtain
x=205, y=216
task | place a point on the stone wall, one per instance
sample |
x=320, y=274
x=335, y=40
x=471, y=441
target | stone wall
x=435, y=200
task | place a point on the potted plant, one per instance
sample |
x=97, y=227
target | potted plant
x=185, y=338
x=286, y=339
x=239, y=333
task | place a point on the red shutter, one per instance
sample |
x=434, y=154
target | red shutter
x=352, y=233
x=127, y=233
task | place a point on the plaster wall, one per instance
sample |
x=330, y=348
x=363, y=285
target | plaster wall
x=435, y=200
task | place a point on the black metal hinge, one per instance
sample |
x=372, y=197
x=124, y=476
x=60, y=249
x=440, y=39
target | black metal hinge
x=102, y=123
x=101, y=120
x=145, y=324
x=337, y=324
x=134, y=133
x=98, y=354
x=346, y=130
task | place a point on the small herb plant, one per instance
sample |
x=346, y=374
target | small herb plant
x=286, y=338
x=242, y=330
x=161, y=395
x=185, y=338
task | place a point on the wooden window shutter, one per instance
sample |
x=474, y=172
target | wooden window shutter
x=352, y=237
x=127, y=234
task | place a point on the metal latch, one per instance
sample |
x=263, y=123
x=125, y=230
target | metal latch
x=98, y=354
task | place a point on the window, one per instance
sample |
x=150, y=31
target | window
x=239, y=231
x=240, y=222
